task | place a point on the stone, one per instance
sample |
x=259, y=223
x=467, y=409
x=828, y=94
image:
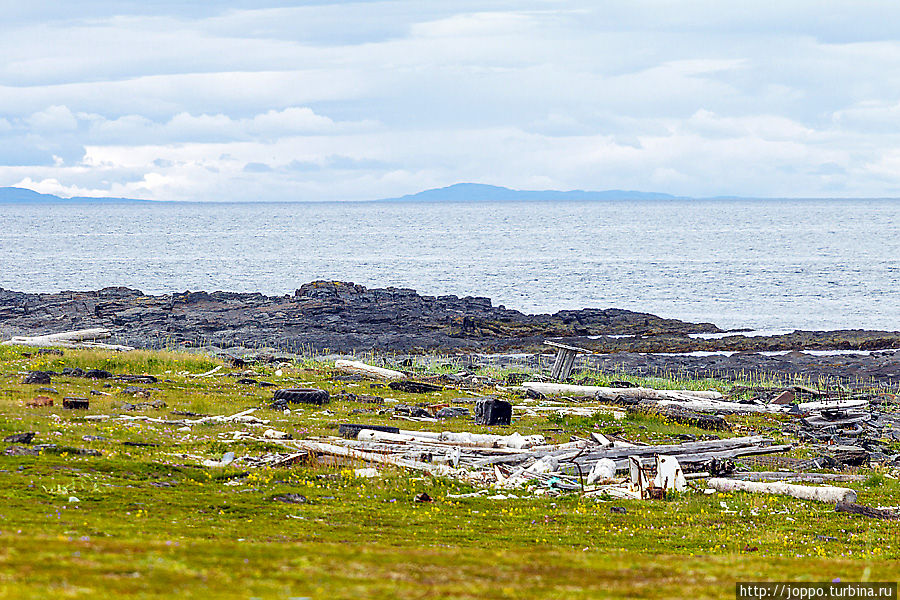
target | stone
x=21, y=451
x=452, y=412
x=37, y=377
x=97, y=374
x=39, y=401
x=291, y=498
x=603, y=470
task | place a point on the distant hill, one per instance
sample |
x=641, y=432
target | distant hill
x=478, y=192
x=460, y=192
x=14, y=195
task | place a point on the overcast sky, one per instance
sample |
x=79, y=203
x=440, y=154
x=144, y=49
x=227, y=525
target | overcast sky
x=241, y=100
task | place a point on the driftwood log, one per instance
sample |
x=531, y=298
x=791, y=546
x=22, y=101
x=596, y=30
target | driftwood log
x=609, y=393
x=803, y=492
x=361, y=368
x=82, y=338
x=866, y=511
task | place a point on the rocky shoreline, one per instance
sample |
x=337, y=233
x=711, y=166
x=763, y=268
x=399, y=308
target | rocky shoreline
x=340, y=317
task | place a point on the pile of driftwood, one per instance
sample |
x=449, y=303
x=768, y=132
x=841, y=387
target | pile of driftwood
x=597, y=466
x=516, y=461
x=850, y=429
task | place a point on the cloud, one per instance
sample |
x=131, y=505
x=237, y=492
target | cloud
x=53, y=119
x=255, y=167
x=326, y=100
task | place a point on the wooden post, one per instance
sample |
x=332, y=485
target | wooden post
x=565, y=360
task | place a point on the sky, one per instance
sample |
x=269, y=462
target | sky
x=318, y=100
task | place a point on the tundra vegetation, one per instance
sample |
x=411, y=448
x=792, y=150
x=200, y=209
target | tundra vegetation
x=142, y=517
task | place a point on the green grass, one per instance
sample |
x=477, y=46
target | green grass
x=151, y=523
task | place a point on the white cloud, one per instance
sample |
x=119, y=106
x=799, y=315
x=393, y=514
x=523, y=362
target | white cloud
x=338, y=100
x=53, y=119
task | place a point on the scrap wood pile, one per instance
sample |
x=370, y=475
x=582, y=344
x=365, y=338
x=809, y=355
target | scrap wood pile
x=851, y=429
x=516, y=461
x=599, y=465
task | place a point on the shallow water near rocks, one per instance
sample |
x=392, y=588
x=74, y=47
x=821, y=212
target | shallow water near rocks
x=775, y=264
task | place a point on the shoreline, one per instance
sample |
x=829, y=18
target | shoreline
x=334, y=317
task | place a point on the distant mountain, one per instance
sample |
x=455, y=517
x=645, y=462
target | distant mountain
x=478, y=192
x=460, y=192
x=14, y=195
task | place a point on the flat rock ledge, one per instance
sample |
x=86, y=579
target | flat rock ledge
x=321, y=316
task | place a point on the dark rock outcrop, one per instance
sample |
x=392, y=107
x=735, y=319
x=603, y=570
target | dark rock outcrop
x=338, y=316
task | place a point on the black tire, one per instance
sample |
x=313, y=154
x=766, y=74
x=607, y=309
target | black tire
x=303, y=396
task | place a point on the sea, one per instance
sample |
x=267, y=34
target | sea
x=756, y=264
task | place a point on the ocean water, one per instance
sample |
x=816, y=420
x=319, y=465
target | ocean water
x=762, y=264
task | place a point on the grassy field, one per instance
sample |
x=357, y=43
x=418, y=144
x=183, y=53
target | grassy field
x=145, y=519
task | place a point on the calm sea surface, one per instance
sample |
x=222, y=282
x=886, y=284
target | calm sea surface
x=761, y=264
